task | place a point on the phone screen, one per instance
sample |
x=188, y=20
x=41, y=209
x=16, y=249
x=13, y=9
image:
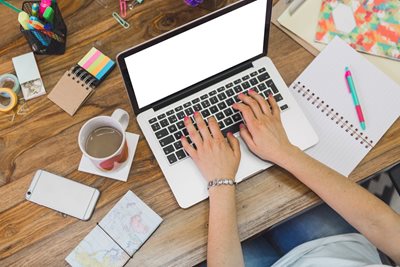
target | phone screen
x=62, y=194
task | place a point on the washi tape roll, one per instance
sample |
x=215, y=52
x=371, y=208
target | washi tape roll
x=9, y=81
x=13, y=99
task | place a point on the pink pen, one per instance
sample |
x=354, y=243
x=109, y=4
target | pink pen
x=43, y=5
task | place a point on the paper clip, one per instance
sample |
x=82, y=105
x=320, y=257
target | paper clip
x=10, y=117
x=122, y=8
x=23, y=107
x=120, y=20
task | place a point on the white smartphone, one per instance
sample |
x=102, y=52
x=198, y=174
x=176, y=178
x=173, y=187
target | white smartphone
x=63, y=195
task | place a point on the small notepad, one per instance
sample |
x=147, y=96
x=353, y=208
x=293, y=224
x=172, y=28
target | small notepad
x=117, y=236
x=321, y=91
x=78, y=83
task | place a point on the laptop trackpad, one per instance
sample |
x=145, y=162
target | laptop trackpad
x=250, y=164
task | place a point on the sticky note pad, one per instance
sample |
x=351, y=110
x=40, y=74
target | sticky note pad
x=96, y=63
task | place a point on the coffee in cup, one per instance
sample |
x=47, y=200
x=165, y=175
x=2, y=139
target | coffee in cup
x=103, y=140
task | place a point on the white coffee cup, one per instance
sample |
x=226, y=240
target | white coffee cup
x=119, y=120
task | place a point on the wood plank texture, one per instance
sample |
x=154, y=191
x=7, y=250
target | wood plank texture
x=46, y=138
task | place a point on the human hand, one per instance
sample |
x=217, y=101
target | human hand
x=215, y=156
x=264, y=133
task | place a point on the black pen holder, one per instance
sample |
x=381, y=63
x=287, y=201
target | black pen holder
x=46, y=42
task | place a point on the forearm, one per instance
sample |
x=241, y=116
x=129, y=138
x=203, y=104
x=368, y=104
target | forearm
x=368, y=214
x=224, y=247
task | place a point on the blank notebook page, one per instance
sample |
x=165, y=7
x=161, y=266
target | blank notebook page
x=322, y=92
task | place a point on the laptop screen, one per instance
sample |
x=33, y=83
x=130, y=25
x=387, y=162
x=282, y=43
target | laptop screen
x=198, y=53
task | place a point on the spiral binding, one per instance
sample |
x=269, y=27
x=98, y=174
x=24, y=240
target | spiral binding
x=82, y=77
x=334, y=116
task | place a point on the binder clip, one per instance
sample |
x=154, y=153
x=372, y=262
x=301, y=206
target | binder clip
x=134, y=3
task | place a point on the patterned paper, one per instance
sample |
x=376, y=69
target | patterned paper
x=97, y=249
x=117, y=236
x=130, y=222
x=370, y=26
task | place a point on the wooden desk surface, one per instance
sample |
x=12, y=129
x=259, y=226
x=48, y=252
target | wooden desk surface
x=46, y=138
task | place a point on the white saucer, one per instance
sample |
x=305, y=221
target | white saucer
x=121, y=173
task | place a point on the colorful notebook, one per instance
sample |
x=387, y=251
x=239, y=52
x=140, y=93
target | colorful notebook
x=321, y=91
x=117, y=236
x=78, y=83
x=303, y=23
x=371, y=27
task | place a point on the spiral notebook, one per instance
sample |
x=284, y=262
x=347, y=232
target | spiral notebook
x=78, y=83
x=322, y=92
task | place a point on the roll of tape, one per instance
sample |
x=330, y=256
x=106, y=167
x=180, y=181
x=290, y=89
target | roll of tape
x=9, y=81
x=13, y=99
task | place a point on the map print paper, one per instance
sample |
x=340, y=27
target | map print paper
x=97, y=249
x=130, y=222
x=369, y=26
x=117, y=236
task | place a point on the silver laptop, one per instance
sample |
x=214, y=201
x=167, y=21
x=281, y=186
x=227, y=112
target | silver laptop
x=203, y=66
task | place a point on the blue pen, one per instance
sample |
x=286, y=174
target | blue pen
x=48, y=27
x=43, y=40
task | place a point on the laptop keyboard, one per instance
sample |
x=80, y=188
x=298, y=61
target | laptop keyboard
x=169, y=127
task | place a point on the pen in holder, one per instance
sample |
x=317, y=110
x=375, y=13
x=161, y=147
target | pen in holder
x=45, y=38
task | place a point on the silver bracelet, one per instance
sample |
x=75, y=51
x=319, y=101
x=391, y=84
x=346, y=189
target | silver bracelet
x=223, y=181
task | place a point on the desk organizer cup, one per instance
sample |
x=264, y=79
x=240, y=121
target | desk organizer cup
x=118, y=120
x=53, y=41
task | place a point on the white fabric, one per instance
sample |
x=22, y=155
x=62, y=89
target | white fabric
x=348, y=250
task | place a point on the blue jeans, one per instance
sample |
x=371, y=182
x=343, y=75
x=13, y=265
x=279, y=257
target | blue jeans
x=266, y=249
x=320, y=221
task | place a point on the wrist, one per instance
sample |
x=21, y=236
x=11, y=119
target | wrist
x=287, y=156
x=222, y=175
x=221, y=194
x=221, y=187
x=220, y=182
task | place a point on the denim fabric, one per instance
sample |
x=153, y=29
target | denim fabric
x=266, y=249
x=320, y=221
x=259, y=252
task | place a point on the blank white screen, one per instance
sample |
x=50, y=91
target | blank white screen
x=196, y=54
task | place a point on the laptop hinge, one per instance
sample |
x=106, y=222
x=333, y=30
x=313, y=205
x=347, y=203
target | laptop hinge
x=201, y=85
